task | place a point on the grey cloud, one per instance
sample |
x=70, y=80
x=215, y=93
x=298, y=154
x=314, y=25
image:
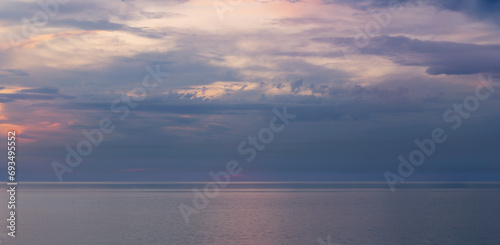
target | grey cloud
x=42, y=93
x=42, y=90
x=28, y=96
x=14, y=11
x=375, y=91
x=176, y=108
x=367, y=5
x=295, y=86
x=449, y=58
x=88, y=25
x=14, y=72
x=5, y=100
x=476, y=9
x=338, y=102
x=321, y=89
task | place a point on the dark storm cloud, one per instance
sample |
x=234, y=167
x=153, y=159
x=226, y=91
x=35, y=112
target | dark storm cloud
x=484, y=10
x=449, y=58
x=356, y=103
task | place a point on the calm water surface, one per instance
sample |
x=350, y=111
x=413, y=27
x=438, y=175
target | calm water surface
x=260, y=214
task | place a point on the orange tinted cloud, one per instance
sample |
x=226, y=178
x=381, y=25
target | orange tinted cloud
x=35, y=40
x=2, y=116
x=5, y=127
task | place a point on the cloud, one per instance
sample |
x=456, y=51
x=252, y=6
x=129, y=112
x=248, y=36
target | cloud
x=295, y=86
x=449, y=58
x=14, y=11
x=368, y=5
x=159, y=15
x=484, y=10
x=41, y=90
x=333, y=103
x=186, y=108
x=13, y=72
x=226, y=77
x=88, y=25
x=41, y=93
x=28, y=96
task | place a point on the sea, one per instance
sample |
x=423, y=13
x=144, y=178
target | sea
x=254, y=213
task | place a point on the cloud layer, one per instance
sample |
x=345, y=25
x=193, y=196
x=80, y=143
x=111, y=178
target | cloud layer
x=365, y=78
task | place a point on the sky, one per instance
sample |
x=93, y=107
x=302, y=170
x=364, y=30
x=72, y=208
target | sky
x=365, y=79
